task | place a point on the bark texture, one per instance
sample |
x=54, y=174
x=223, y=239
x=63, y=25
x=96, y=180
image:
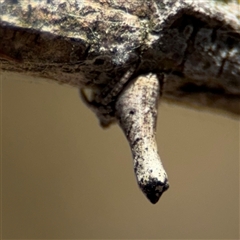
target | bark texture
x=195, y=44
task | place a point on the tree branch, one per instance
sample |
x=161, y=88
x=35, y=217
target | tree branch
x=195, y=44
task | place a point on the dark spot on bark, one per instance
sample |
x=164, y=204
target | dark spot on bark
x=231, y=42
x=194, y=88
x=179, y=74
x=99, y=61
x=182, y=22
x=214, y=35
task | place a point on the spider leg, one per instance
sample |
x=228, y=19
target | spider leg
x=103, y=103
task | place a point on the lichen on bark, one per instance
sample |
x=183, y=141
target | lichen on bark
x=196, y=44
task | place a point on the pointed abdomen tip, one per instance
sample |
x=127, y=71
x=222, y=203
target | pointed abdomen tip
x=154, y=190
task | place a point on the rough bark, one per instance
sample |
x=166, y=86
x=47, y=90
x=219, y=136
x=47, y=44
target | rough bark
x=195, y=44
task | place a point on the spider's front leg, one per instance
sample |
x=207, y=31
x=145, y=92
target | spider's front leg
x=136, y=111
x=102, y=102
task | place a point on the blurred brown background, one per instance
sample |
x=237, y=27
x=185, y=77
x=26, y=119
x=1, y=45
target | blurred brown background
x=65, y=177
